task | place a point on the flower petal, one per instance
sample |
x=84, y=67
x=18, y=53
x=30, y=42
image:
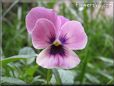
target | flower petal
x=70, y=61
x=43, y=33
x=46, y=60
x=73, y=35
x=37, y=13
x=62, y=20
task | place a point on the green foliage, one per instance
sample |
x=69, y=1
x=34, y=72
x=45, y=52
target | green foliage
x=12, y=81
x=18, y=64
x=11, y=59
x=66, y=76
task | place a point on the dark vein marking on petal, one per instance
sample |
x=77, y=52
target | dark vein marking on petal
x=63, y=39
x=51, y=38
x=57, y=50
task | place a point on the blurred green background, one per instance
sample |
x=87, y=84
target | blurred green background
x=18, y=55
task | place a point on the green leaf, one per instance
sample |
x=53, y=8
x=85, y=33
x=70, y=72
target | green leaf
x=57, y=76
x=37, y=79
x=31, y=70
x=106, y=60
x=27, y=51
x=92, y=78
x=66, y=76
x=49, y=75
x=11, y=80
x=13, y=58
x=105, y=75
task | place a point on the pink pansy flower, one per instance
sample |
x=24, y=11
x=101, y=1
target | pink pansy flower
x=58, y=35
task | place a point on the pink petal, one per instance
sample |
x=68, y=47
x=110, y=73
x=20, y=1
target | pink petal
x=70, y=61
x=73, y=34
x=46, y=60
x=62, y=20
x=43, y=33
x=37, y=13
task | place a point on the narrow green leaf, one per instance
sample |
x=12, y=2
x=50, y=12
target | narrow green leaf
x=92, y=78
x=49, y=75
x=105, y=74
x=37, y=79
x=13, y=58
x=107, y=60
x=11, y=80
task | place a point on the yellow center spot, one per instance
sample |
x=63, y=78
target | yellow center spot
x=56, y=43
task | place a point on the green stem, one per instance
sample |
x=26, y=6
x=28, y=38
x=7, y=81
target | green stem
x=48, y=77
x=57, y=76
x=83, y=70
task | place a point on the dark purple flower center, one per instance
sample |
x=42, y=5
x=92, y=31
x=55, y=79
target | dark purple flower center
x=54, y=50
x=57, y=48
